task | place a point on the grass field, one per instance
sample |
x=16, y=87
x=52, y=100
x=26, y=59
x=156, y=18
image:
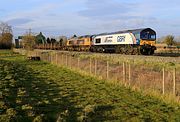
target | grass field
x=39, y=91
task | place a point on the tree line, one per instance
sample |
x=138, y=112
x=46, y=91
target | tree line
x=30, y=40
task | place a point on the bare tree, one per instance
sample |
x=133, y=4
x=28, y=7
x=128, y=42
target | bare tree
x=5, y=28
x=6, y=36
x=169, y=40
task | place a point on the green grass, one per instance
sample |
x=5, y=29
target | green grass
x=39, y=91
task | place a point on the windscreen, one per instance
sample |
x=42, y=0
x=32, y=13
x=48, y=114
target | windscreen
x=148, y=35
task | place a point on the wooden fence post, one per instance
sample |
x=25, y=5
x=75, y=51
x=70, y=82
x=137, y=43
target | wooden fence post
x=107, y=70
x=163, y=82
x=45, y=56
x=174, y=81
x=66, y=60
x=124, y=73
x=78, y=63
x=56, y=58
x=90, y=65
x=95, y=67
x=70, y=61
x=51, y=57
x=48, y=57
x=129, y=74
x=62, y=59
x=40, y=55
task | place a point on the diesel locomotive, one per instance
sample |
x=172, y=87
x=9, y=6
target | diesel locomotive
x=139, y=41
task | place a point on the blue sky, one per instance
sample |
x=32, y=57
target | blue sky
x=81, y=17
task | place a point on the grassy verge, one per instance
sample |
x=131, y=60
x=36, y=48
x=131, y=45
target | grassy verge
x=155, y=62
x=42, y=92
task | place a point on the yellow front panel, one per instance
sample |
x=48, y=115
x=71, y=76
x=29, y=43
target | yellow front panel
x=148, y=42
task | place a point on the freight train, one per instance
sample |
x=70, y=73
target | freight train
x=137, y=41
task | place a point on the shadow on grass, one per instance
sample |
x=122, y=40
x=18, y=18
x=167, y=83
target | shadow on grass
x=31, y=96
x=100, y=114
x=34, y=96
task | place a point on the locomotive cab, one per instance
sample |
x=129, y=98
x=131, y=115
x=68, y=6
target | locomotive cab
x=147, y=41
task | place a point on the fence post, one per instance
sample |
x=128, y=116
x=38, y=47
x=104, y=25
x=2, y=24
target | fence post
x=48, y=58
x=174, y=81
x=66, y=60
x=90, y=65
x=163, y=82
x=45, y=56
x=70, y=61
x=78, y=62
x=41, y=56
x=51, y=58
x=95, y=67
x=129, y=73
x=56, y=58
x=124, y=73
x=62, y=59
x=107, y=73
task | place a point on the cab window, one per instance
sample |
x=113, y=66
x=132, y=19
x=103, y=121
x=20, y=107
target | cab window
x=152, y=37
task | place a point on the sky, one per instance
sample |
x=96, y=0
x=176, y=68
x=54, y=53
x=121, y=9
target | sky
x=82, y=17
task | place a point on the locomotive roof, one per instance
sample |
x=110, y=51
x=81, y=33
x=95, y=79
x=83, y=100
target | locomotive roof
x=126, y=31
x=85, y=36
x=118, y=32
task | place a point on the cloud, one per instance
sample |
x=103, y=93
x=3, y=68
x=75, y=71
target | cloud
x=108, y=16
x=106, y=9
x=19, y=21
x=33, y=13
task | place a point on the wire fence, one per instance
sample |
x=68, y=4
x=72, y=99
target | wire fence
x=159, y=80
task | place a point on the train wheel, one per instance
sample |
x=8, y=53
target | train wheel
x=92, y=49
x=151, y=52
x=143, y=51
x=100, y=50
